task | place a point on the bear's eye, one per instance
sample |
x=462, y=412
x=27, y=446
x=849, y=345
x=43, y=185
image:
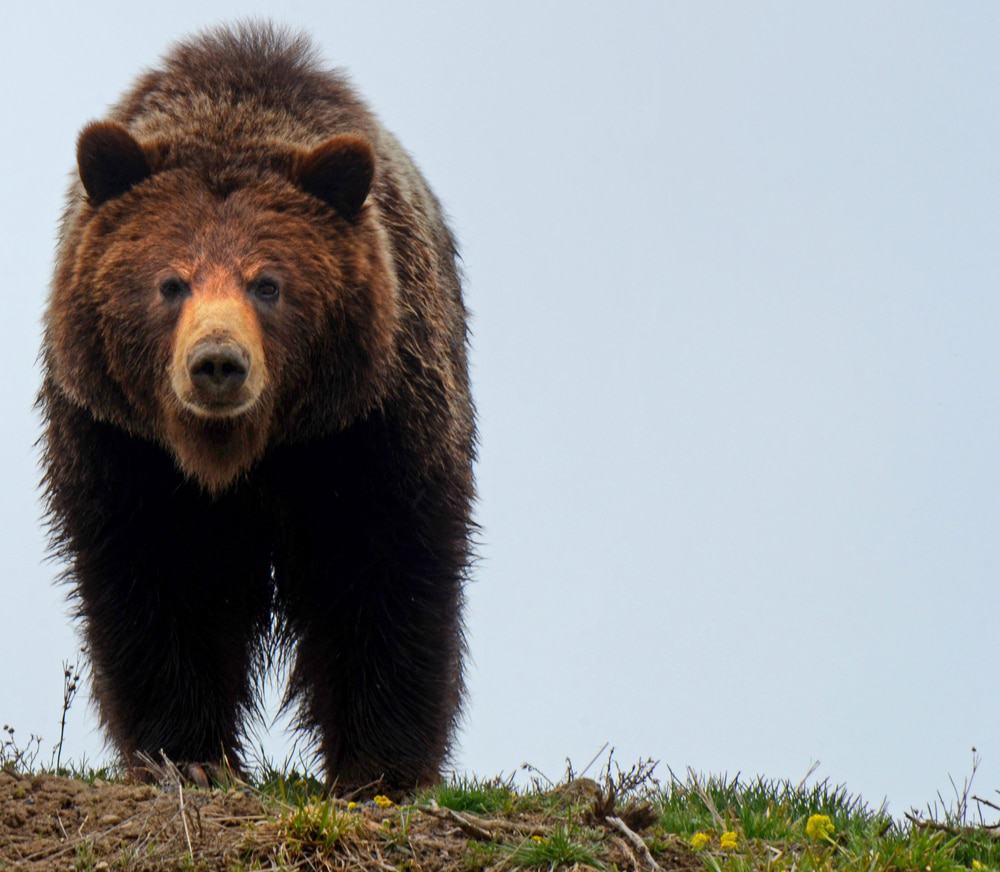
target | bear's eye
x=265, y=288
x=172, y=288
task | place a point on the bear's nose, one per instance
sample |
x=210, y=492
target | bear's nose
x=218, y=369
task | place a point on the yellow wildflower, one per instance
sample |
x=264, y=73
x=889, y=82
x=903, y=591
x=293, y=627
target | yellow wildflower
x=352, y=805
x=977, y=866
x=383, y=801
x=819, y=827
x=699, y=841
x=537, y=839
x=727, y=841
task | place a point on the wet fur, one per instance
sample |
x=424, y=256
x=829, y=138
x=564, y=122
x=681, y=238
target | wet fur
x=346, y=513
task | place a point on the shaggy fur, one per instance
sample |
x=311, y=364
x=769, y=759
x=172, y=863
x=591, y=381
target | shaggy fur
x=242, y=197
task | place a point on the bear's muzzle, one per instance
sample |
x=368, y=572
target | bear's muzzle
x=218, y=369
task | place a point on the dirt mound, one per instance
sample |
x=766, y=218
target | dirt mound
x=58, y=823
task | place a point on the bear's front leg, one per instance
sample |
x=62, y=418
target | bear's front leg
x=173, y=588
x=370, y=572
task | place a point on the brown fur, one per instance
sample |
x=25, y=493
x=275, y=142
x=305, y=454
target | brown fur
x=241, y=197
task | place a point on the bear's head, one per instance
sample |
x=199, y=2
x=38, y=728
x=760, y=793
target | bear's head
x=221, y=313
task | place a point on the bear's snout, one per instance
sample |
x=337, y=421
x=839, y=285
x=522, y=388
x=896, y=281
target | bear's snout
x=218, y=370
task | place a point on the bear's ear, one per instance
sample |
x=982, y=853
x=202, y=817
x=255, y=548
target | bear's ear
x=109, y=160
x=339, y=172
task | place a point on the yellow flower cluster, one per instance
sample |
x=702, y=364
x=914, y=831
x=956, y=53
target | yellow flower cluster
x=383, y=801
x=537, y=838
x=727, y=841
x=819, y=827
x=699, y=841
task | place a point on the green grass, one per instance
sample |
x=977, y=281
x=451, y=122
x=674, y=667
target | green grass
x=564, y=847
x=479, y=796
x=769, y=819
x=84, y=859
x=482, y=855
x=318, y=825
x=288, y=785
x=760, y=808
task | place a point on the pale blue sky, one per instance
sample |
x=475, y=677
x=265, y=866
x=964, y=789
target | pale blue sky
x=734, y=272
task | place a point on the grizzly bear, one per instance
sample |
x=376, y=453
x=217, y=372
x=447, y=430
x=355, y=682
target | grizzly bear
x=258, y=431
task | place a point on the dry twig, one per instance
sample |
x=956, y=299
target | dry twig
x=635, y=839
x=706, y=799
x=187, y=835
x=464, y=824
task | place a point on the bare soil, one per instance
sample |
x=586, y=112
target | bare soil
x=58, y=823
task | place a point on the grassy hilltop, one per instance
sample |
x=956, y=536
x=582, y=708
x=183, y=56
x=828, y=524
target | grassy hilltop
x=619, y=819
